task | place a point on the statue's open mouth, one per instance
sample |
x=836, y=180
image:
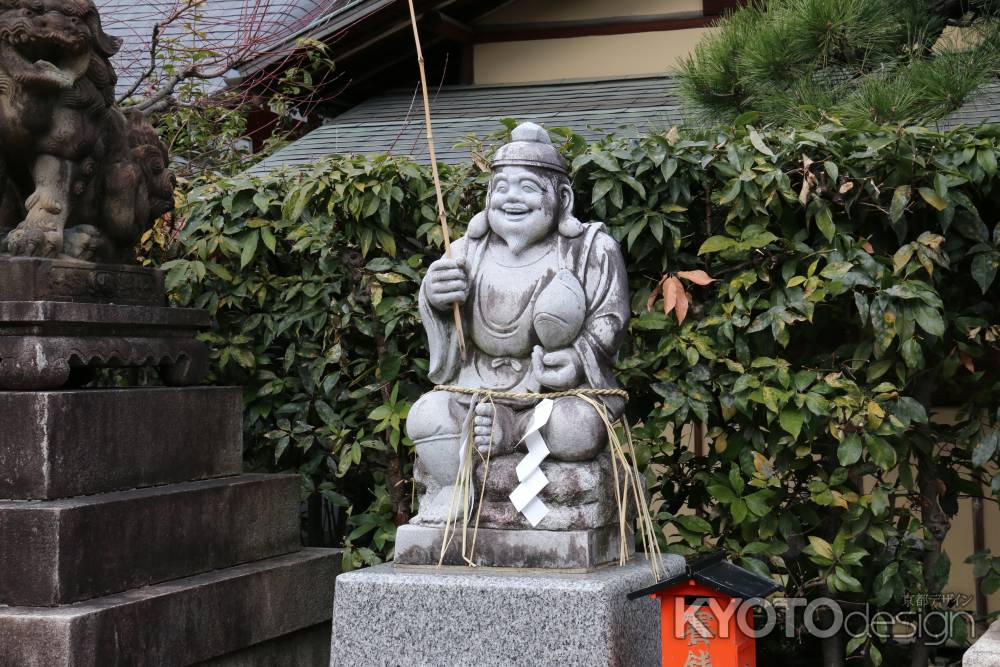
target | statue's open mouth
x=515, y=212
x=48, y=62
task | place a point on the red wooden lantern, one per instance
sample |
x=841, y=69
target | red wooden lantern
x=703, y=621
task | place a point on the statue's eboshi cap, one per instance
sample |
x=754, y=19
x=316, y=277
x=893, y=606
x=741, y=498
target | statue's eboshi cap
x=530, y=146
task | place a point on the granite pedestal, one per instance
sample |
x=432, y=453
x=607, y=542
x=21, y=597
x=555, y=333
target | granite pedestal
x=985, y=652
x=395, y=615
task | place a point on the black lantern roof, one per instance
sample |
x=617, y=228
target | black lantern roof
x=715, y=572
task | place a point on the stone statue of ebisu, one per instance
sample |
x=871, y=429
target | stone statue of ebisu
x=544, y=302
x=78, y=178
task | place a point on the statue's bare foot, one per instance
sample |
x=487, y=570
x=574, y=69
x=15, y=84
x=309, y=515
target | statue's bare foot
x=33, y=241
x=84, y=242
x=41, y=232
x=493, y=429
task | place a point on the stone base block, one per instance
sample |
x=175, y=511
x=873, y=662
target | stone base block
x=43, y=279
x=386, y=616
x=579, y=496
x=180, y=622
x=580, y=518
x=570, y=483
x=59, y=551
x=58, y=444
x=305, y=648
x=985, y=652
x=49, y=344
x=559, y=549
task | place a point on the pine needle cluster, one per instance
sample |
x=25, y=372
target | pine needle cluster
x=805, y=61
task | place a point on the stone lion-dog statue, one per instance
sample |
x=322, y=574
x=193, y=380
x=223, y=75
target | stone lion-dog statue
x=78, y=177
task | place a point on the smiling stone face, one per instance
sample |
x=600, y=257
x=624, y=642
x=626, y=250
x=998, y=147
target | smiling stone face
x=523, y=206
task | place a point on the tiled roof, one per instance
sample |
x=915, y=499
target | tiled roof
x=229, y=27
x=983, y=106
x=393, y=123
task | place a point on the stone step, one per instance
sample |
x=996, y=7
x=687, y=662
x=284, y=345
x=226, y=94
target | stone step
x=59, y=551
x=303, y=648
x=180, y=622
x=59, y=444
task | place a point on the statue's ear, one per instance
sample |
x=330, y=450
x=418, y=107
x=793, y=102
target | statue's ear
x=566, y=197
x=569, y=226
x=107, y=45
x=478, y=226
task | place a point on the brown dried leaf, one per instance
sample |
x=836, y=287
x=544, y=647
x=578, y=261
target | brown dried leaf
x=967, y=361
x=925, y=261
x=480, y=161
x=808, y=180
x=806, y=189
x=673, y=136
x=671, y=288
x=698, y=277
x=846, y=187
x=683, y=301
x=655, y=294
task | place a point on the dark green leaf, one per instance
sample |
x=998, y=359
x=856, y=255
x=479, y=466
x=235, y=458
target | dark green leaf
x=985, y=449
x=984, y=269
x=716, y=244
x=933, y=199
x=791, y=420
x=930, y=320
x=824, y=221
x=900, y=198
x=849, y=450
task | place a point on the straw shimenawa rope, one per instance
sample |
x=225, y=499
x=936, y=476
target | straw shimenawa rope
x=531, y=395
x=629, y=483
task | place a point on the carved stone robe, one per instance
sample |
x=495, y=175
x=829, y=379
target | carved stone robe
x=591, y=255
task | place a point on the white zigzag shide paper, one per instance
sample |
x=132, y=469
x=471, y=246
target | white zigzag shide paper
x=529, y=474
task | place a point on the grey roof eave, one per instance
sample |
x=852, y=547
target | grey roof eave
x=393, y=123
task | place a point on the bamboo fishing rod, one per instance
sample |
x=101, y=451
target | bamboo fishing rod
x=434, y=172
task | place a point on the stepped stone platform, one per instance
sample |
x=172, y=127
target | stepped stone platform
x=178, y=623
x=129, y=537
x=57, y=444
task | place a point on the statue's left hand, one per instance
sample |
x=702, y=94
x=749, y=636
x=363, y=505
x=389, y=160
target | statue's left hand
x=559, y=369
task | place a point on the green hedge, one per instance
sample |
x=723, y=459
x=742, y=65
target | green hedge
x=853, y=291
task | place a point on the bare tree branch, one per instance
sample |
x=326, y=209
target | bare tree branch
x=206, y=44
x=154, y=44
